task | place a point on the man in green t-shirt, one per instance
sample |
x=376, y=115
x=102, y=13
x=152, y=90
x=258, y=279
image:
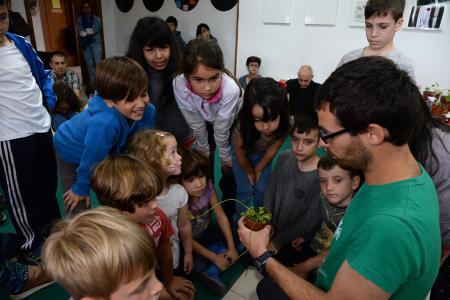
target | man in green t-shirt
x=388, y=243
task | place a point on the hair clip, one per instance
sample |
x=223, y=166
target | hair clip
x=160, y=133
x=282, y=83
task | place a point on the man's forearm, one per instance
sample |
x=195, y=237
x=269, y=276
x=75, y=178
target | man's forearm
x=294, y=286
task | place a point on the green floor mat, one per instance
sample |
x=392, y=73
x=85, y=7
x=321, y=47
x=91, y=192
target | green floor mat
x=55, y=291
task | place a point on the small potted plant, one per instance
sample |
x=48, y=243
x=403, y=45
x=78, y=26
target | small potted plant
x=437, y=99
x=256, y=218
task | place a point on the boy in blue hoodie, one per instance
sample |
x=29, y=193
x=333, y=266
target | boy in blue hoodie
x=27, y=160
x=119, y=108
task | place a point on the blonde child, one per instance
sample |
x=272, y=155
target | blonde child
x=212, y=244
x=112, y=256
x=159, y=150
x=128, y=184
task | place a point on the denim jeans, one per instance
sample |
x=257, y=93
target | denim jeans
x=92, y=56
x=245, y=192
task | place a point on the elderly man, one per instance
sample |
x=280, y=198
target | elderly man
x=61, y=74
x=302, y=90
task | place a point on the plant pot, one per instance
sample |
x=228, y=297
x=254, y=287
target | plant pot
x=438, y=110
x=253, y=225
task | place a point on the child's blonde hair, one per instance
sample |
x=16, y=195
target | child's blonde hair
x=124, y=182
x=149, y=145
x=96, y=252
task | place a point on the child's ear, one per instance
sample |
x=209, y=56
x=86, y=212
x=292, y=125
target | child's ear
x=109, y=103
x=356, y=180
x=398, y=24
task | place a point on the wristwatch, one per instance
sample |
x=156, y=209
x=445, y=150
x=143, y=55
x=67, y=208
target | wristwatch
x=260, y=261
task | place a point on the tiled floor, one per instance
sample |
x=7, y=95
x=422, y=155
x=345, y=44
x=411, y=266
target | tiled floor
x=245, y=286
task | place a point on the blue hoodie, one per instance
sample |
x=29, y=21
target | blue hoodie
x=41, y=75
x=93, y=134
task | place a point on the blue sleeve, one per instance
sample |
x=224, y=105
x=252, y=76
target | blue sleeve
x=96, y=25
x=44, y=79
x=47, y=87
x=79, y=26
x=99, y=140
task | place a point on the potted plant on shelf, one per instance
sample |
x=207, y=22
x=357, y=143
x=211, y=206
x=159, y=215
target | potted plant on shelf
x=256, y=218
x=437, y=99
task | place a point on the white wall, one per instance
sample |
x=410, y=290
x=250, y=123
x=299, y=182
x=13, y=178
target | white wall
x=118, y=26
x=19, y=6
x=37, y=28
x=283, y=48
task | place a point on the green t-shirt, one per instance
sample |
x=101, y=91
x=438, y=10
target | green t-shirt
x=390, y=235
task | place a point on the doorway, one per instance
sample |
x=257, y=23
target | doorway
x=53, y=24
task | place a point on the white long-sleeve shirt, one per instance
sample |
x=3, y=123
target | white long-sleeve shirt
x=221, y=114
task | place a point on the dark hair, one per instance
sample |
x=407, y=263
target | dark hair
x=123, y=182
x=173, y=20
x=199, y=30
x=67, y=100
x=421, y=143
x=88, y=2
x=57, y=53
x=119, y=77
x=271, y=96
x=251, y=59
x=206, y=52
x=381, y=8
x=327, y=163
x=305, y=121
x=155, y=33
x=202, y=51
x=194, y=164
x=373, y=89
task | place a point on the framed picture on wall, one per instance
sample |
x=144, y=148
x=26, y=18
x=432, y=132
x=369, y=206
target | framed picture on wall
x=427, y=17
x=357, y=13
x=321, y=12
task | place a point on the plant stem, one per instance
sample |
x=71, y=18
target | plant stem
x=212, y=207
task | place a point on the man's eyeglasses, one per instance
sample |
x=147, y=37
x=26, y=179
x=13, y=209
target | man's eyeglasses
x=325, y=136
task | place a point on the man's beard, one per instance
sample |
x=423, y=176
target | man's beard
x=356, y=157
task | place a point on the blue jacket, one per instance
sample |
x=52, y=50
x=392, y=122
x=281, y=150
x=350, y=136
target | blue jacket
x=41, y=75
x=93, y=134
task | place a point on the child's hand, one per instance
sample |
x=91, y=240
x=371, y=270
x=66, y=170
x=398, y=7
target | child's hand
x=180, y=288
x=71, y=200
x=257, y=176
x=221, y=261
x=232, y=254
x=297, y=243
x=188, y=263
x=252, y=178
x=258, y=172
x=300, y=269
